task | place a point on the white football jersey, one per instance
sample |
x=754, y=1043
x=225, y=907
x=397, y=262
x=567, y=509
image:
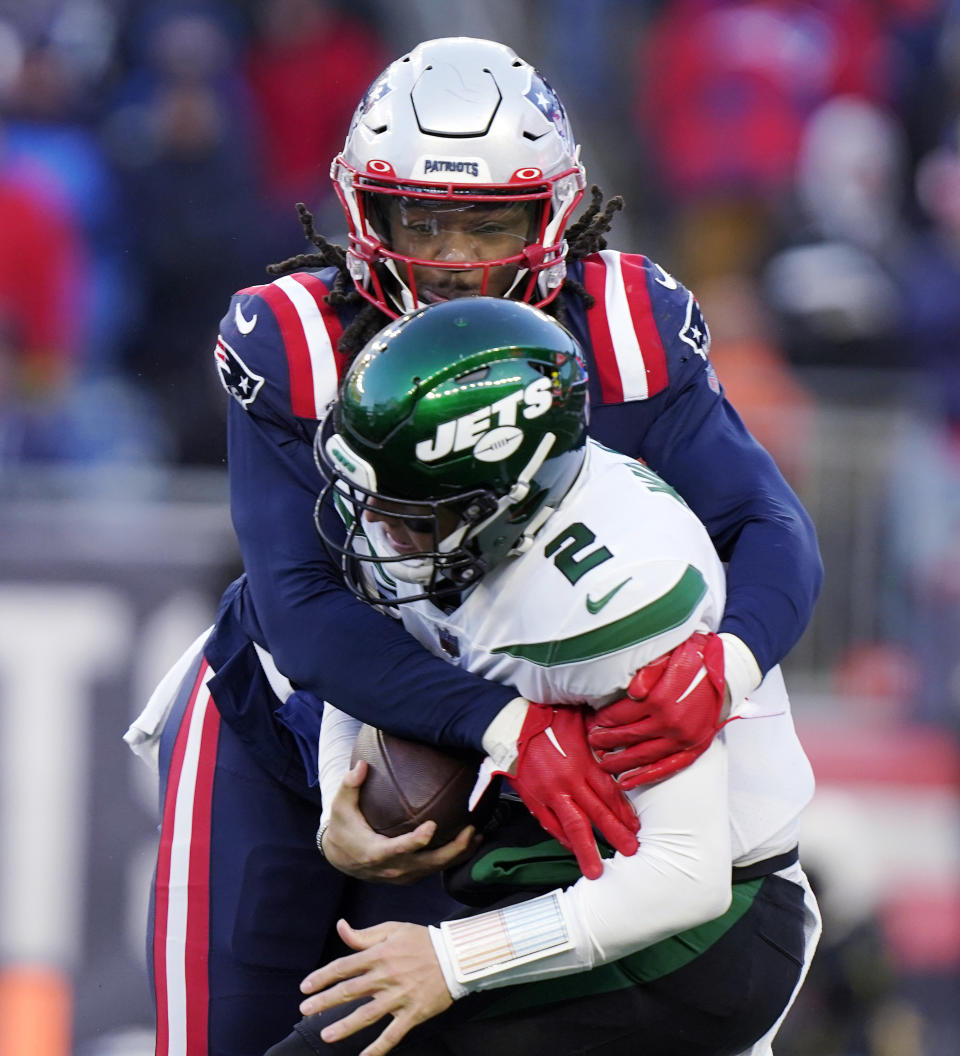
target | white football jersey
x=620, y=574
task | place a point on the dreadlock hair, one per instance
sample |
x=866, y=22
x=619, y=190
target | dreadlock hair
x=583, y=238
x=369, y=319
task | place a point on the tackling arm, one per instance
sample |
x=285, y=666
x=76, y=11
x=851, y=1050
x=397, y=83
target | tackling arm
x=774, y=571
x=687, y=432
x=773, y=577
x=322, y=638
x=340, y=649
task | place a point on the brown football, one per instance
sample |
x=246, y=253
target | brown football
x=408, y=783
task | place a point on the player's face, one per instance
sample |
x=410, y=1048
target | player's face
x=408, y=531
x=460, y=234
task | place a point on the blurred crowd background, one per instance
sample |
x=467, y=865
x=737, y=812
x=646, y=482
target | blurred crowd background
x=796, y=163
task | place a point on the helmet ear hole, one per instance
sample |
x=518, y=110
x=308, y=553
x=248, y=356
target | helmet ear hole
x=479, y=509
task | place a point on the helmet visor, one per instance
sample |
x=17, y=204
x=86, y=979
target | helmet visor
x=413, y=529
x=458, y=233
x=445, y=249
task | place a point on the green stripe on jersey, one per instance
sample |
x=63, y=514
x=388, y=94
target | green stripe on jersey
x=644, y=966
x=670, y=610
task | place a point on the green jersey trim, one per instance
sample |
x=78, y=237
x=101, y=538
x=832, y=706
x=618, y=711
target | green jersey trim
x=540, y=865
x=644, y=966
x=670, y=610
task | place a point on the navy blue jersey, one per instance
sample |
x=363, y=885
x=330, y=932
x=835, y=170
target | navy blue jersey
x=654, y=395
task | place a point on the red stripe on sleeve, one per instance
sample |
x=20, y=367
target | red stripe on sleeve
x=295, y=345
x=641, y=313
x=318, y=291
x=198, y=907
x=604, y=358
x=162, y=885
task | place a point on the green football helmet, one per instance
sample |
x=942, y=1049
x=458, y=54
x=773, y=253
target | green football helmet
x=458, y=430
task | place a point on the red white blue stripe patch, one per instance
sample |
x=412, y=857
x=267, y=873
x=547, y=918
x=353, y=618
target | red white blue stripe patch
x=310, y=331
x=627, y=348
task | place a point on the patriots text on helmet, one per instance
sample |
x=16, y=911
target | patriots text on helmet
x=465, y=432
x=433, y=165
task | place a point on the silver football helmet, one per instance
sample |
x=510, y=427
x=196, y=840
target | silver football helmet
x=459, y=131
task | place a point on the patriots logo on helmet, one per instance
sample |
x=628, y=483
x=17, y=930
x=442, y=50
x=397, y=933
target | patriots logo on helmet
x=695, y=332
x=545, y=99
x=371, y=97
x=237, y=378
x=375, y=93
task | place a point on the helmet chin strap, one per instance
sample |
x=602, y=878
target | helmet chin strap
x=521, y=489
x=550, y=278
x=406, y=302
x=541, y=517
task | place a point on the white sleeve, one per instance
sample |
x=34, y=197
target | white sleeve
x=679, y=877
x=337, y=735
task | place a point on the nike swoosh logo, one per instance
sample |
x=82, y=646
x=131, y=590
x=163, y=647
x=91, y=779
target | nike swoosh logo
x=552, y=737
x=244, y=325
x=668, y=280
x=593, y=607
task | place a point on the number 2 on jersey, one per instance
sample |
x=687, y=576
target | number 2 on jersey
x=569, y=558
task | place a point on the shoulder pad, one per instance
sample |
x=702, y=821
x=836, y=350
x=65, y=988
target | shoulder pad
x=643, y=324
x=284, y=334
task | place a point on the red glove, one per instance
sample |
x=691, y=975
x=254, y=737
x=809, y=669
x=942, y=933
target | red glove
x=668, y=717
x=565, y=789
